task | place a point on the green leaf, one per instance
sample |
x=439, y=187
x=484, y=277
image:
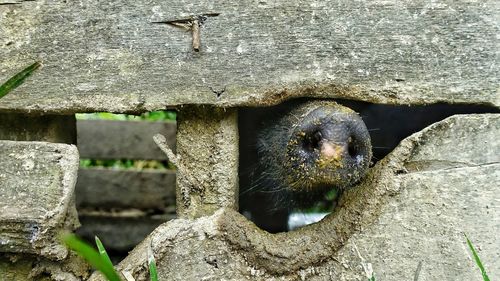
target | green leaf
x=103, y=253
x=92, y=256
x=477, y=259
x=18, y=79
x=153, y=273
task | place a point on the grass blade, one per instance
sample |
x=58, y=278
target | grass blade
x=92, y=256
x=153, y=273
x=103, y=253
x=17, y=79
x=477, y=259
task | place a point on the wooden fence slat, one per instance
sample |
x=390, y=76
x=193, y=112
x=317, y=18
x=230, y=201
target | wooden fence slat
x=106, y=139
x=119, y=233
x=108, y=188
x=109, y=56
x=49, y=128
x=37, y=182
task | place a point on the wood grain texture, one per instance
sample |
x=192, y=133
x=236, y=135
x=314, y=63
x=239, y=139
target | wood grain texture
x=396, y=217
x=107, y=189
x=207, y=167
x=108, y=56
x=119, y=233
x=105, y=139
x=47, y=128
x=37, y=181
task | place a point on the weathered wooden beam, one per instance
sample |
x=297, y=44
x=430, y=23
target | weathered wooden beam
x=105, y=139
x=108, y=188
x=15, y=271
x=207, y=161
x=49, y=128
x=37, y=181
x=109, y=56
x=119, y=232
x=414, y=205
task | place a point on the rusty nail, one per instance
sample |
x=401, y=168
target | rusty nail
x=192, y=23
x=195, y=29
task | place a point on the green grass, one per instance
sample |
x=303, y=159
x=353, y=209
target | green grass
x=477, y=259
x=153, y=272
x=17, y=79
x=99, y=258
x=148, y=116
x=102, y=252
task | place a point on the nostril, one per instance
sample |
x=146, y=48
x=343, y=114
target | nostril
x=351, y=147
x=316, y=138
x=312, y=141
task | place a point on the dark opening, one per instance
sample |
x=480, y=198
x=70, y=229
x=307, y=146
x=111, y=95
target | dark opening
x=387, y=124
x=353, y=151
x=311, y=141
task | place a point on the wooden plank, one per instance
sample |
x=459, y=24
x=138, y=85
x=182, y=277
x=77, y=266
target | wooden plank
x=394, y=218
x=37, y=181
x=108, y=56
x=207, y=166
x=119, y=233
x=105, y=139
x=48, y=128
x=108, y=189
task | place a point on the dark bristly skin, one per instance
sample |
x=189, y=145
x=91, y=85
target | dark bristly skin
x=304, y=152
